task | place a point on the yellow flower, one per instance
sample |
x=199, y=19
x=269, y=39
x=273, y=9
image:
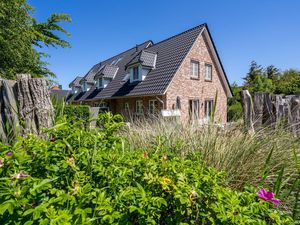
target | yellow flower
x=166, y=181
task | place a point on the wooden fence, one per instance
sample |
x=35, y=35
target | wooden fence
x=25, y=107
x=271, y=110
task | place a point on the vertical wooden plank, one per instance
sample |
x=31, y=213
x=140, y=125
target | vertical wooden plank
x=268, y=112
x=41, y=100
x=295, y=114
x=2, y=116
x=258, y=107
x=248, y=111
x=26, y=107
x=10, y=108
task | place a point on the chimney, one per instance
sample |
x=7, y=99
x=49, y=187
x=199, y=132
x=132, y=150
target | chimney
x=60, y=87
x=136, y=48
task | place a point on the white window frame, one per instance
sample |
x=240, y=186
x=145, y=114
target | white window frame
x=208, y=108
x=208, y=72
x=139, y=107
x=152, y=106
x=135, y=78
x=100, y=79
x=195, y=109
x=194, y=69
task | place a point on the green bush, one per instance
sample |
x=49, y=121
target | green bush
x=82, y=176
x=74, y=113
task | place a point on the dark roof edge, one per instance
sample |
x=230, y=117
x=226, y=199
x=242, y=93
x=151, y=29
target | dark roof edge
x=74, y=80
x=206, y=26
x=200, y=26
x=126, y=51
x=186, y=31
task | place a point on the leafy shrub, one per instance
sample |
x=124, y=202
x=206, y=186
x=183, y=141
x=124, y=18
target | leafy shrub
x=77, y=112
x=83, y=176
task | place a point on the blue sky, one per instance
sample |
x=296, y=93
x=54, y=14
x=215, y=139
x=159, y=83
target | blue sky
x=267, y=31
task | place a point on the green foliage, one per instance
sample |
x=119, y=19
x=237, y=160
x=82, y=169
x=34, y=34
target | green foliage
x=235, y=109
x=74, y=113
x=21, y=34
x=259, y=79
x=289, y=82
x=83, y=176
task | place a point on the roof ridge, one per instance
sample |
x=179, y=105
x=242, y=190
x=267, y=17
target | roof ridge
x=125, y=51
x=176, y=35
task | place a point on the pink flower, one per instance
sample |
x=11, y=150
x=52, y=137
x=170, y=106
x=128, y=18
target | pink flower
x=268, y=196
x=9, y=154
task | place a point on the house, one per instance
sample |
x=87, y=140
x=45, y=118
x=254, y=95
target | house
x=180, y=76
x=58, y=93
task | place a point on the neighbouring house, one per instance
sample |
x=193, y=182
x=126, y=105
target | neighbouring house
x=58, y=93
x=181, y=76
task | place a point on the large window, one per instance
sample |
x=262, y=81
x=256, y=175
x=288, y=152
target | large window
x=194, y=69
x=208, y=108
x=194, y=109
x=135, y=73
x=153, y=106
x=208, y=72
x=139, y=107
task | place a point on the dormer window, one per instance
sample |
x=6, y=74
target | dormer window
x=141, y=65
x=86, y=86
x=103, y=82
x=135, y=73
x=100, y=83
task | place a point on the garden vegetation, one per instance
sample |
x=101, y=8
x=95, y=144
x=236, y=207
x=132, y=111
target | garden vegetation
x=79, y=175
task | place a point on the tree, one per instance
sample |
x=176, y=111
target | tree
x=259, y=79
x=289, y=82
x=235, y=109
x=20, y=37
x=251, y=77
x=272, y=73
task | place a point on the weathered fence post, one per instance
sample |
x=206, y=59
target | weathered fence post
x=271, y=110
x=26, y=106
x=43, y=108
x=248, y=110
x=295, y=114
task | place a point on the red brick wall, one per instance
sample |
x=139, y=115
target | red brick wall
x=117, y=106
x=187, y=88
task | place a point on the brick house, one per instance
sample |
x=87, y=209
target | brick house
x=180, y=76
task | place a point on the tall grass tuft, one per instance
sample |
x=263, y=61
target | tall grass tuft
x=269, y=158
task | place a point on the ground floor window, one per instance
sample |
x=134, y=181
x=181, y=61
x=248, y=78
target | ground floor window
x=126, y=107
x=194, y=109
x=208, y=108
x=139, y=107
x=153, y=106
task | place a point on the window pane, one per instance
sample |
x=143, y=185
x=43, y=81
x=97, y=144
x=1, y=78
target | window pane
x=194, y=69
x=135, y=73
x=208, y=72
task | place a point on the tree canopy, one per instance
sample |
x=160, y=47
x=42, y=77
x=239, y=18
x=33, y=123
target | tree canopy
x=21, y=36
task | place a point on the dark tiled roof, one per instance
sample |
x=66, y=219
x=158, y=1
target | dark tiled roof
x=146, y=58
x=60, y=94
x=108, y=71
x=170, y=54
x=119, y=60
x=75, y=82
